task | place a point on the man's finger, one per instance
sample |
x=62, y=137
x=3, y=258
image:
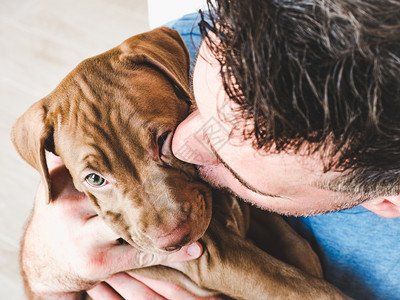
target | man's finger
x=167, y=290
x=130, y=288
x=103, y=291
x=189, y=252
x=124, y=257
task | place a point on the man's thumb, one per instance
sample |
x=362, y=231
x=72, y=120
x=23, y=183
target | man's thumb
x=189, y=252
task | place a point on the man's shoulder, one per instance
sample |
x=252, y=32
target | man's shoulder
x=359, y=250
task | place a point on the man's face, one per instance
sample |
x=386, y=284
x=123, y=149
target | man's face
x=285, y=183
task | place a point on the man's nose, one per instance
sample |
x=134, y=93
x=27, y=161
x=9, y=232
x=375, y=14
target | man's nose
x=190, y=142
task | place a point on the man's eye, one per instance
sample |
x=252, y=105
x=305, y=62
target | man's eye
x=95, y=180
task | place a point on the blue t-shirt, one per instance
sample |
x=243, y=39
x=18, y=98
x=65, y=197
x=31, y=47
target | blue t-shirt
x=359, y=250
x=188, y=28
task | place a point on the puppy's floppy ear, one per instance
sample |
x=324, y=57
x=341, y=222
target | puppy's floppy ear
x=30, y=136
x=163, y=48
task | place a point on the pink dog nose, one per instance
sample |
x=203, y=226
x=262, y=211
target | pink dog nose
x=172, y=248
x=184, y=241
x=176, y=239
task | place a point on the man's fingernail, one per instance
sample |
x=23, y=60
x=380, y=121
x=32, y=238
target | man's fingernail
x=194, y=250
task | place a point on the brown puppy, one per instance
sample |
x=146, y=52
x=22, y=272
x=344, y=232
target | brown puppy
x=111, y=120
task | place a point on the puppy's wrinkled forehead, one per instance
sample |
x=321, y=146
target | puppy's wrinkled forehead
x=117, y=112
x=106, y=114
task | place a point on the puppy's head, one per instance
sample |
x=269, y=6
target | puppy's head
x=111, y=120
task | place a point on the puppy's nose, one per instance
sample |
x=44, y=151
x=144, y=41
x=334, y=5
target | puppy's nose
x=184, y=241
x=172, y=248
x=175, y=239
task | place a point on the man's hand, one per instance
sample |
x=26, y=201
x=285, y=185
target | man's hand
x=67, y=248
x=130, y=286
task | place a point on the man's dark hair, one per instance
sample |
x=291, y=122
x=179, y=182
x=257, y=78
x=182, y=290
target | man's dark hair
x=317, y=75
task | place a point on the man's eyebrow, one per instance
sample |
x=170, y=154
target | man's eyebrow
x=236, y=175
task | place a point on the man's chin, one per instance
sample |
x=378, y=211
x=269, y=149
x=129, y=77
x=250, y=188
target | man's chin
x=208, y=174
x=294, y=212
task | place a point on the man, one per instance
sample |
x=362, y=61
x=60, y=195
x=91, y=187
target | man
x=297, y=112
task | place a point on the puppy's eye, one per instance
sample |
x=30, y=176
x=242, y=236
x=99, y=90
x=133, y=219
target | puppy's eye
x=95, y=180
x=161, y=143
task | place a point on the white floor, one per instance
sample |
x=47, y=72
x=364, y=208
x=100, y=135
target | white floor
x=40, y=41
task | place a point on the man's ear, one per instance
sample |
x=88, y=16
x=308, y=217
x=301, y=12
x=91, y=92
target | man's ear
x=388, y=207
